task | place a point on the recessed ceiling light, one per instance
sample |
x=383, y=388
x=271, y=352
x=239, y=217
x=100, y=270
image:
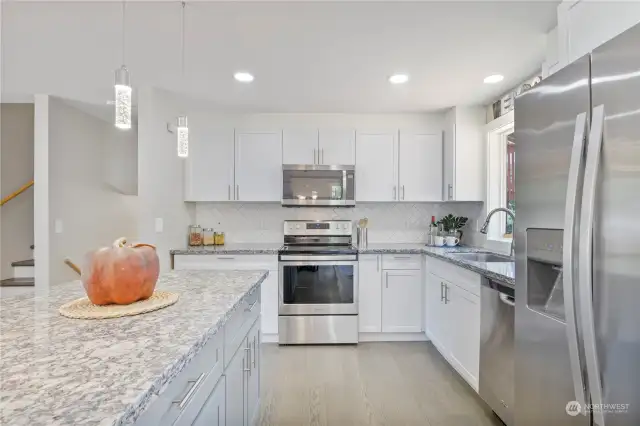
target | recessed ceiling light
x=496, y=78
x=243, y=77
x=398, y=78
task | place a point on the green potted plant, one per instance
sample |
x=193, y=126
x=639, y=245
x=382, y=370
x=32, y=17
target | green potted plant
x=453, y=224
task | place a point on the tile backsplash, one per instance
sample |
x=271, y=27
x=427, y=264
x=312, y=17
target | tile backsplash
x=388, y=222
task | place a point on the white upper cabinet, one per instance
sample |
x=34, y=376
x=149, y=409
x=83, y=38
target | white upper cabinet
x=300, y=146
x=376, y=162
x=464, y=154
x=584, y=25
x=337, y=147
x=420, y=167
x=258, y=166
x=209, y=167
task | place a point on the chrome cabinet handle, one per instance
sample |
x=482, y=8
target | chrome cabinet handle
x=585, y=259
x=441, y=291
x=394, y=192
x=225, y=257
x=450, y=191
x=576, y=167
x=446, y=294
x=250, y=308
x=248, y=349
x=229, y=192
x=403, y=192
x=182, y=402
x=237, y=192
x=402, y=257
x=322, y=151
x=254, y=352
x=386, y=279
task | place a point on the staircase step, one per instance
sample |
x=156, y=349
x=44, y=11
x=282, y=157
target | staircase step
x=29, y=262
x=17, y=282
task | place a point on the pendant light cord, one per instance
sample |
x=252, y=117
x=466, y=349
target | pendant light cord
x=182, y=40
x=123, y=29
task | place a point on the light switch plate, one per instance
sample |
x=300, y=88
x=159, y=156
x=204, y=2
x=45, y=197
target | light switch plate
x=57, y=226
x=159, y=224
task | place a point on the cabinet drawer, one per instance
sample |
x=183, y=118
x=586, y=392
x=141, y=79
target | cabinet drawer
x=239, y=323
x=182, y=393
x=463, y=278
x=401, y=261
x=226, y=261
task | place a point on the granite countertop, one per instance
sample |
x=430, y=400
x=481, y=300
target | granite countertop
x=501, y=271
x=60, y=371
x=232, y=248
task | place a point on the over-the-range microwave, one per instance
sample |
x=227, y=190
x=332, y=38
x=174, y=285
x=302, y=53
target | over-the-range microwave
x=318, y=185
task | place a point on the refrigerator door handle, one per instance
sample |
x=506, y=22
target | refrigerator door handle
x=576, y=167
x=585, y=263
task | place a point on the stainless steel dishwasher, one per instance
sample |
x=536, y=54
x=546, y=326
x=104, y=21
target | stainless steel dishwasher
x=497, y=375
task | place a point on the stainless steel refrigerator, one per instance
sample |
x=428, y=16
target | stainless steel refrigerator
x=577, y=237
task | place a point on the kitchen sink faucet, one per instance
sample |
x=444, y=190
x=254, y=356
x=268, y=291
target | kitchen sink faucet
x=488, y=219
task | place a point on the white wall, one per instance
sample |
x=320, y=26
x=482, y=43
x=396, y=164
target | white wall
x=89, y=213
x=16, y=145
x=121, y=160
x=160, y=176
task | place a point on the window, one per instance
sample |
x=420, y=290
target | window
x=501, y=189
x=510, y=177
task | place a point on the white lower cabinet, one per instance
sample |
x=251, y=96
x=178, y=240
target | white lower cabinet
x=370, y=293
x=453, y=317
x=402, y=301
x=214, y=411
x=236, y=387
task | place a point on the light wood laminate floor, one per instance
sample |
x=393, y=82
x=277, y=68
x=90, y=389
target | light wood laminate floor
x=394, y=384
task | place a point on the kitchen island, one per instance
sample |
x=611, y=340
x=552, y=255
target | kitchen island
x=60, y=371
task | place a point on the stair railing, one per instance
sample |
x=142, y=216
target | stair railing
x=16, y=193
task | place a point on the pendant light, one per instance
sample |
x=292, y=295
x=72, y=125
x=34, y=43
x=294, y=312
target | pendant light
x=182, y=129
x=122, y=88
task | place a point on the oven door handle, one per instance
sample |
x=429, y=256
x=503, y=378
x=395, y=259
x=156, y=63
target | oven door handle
x=337, y=258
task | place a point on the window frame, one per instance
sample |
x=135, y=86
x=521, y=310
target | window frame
x=497, y=132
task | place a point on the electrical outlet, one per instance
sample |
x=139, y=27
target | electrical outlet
x=159, y=225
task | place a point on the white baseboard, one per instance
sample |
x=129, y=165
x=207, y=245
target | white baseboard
x=269, y=338
x=392, y=337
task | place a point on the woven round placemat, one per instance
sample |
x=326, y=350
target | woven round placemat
x=84, y=309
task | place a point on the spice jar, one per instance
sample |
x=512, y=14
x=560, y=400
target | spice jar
x=195, y=235
x=219, y=237
x=208, y=237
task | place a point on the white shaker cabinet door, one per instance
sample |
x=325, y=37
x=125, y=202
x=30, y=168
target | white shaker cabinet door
x=402, y=301
x=337, y=147
x=300, y=146
x=420, y=167
x=213, y=412
x=376, y=173
x=464, y=309
x=236, y=376
x=370, y=293
x=209, y=167
x=436, y=314
x=258, y=171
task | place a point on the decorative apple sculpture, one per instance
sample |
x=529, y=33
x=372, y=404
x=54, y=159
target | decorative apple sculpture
x=120, y=274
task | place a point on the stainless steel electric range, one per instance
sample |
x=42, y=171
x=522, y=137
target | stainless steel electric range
x=318, y=283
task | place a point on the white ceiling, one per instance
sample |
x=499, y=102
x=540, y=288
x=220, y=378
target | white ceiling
x=306, y=56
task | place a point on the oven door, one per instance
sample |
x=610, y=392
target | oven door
x=318, y=185
x=318, y=285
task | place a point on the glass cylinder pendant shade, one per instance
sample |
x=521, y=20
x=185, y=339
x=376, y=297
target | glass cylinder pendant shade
x=182, y=132
x=123, y=99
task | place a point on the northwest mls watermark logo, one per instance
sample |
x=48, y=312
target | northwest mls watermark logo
x=573, y=408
